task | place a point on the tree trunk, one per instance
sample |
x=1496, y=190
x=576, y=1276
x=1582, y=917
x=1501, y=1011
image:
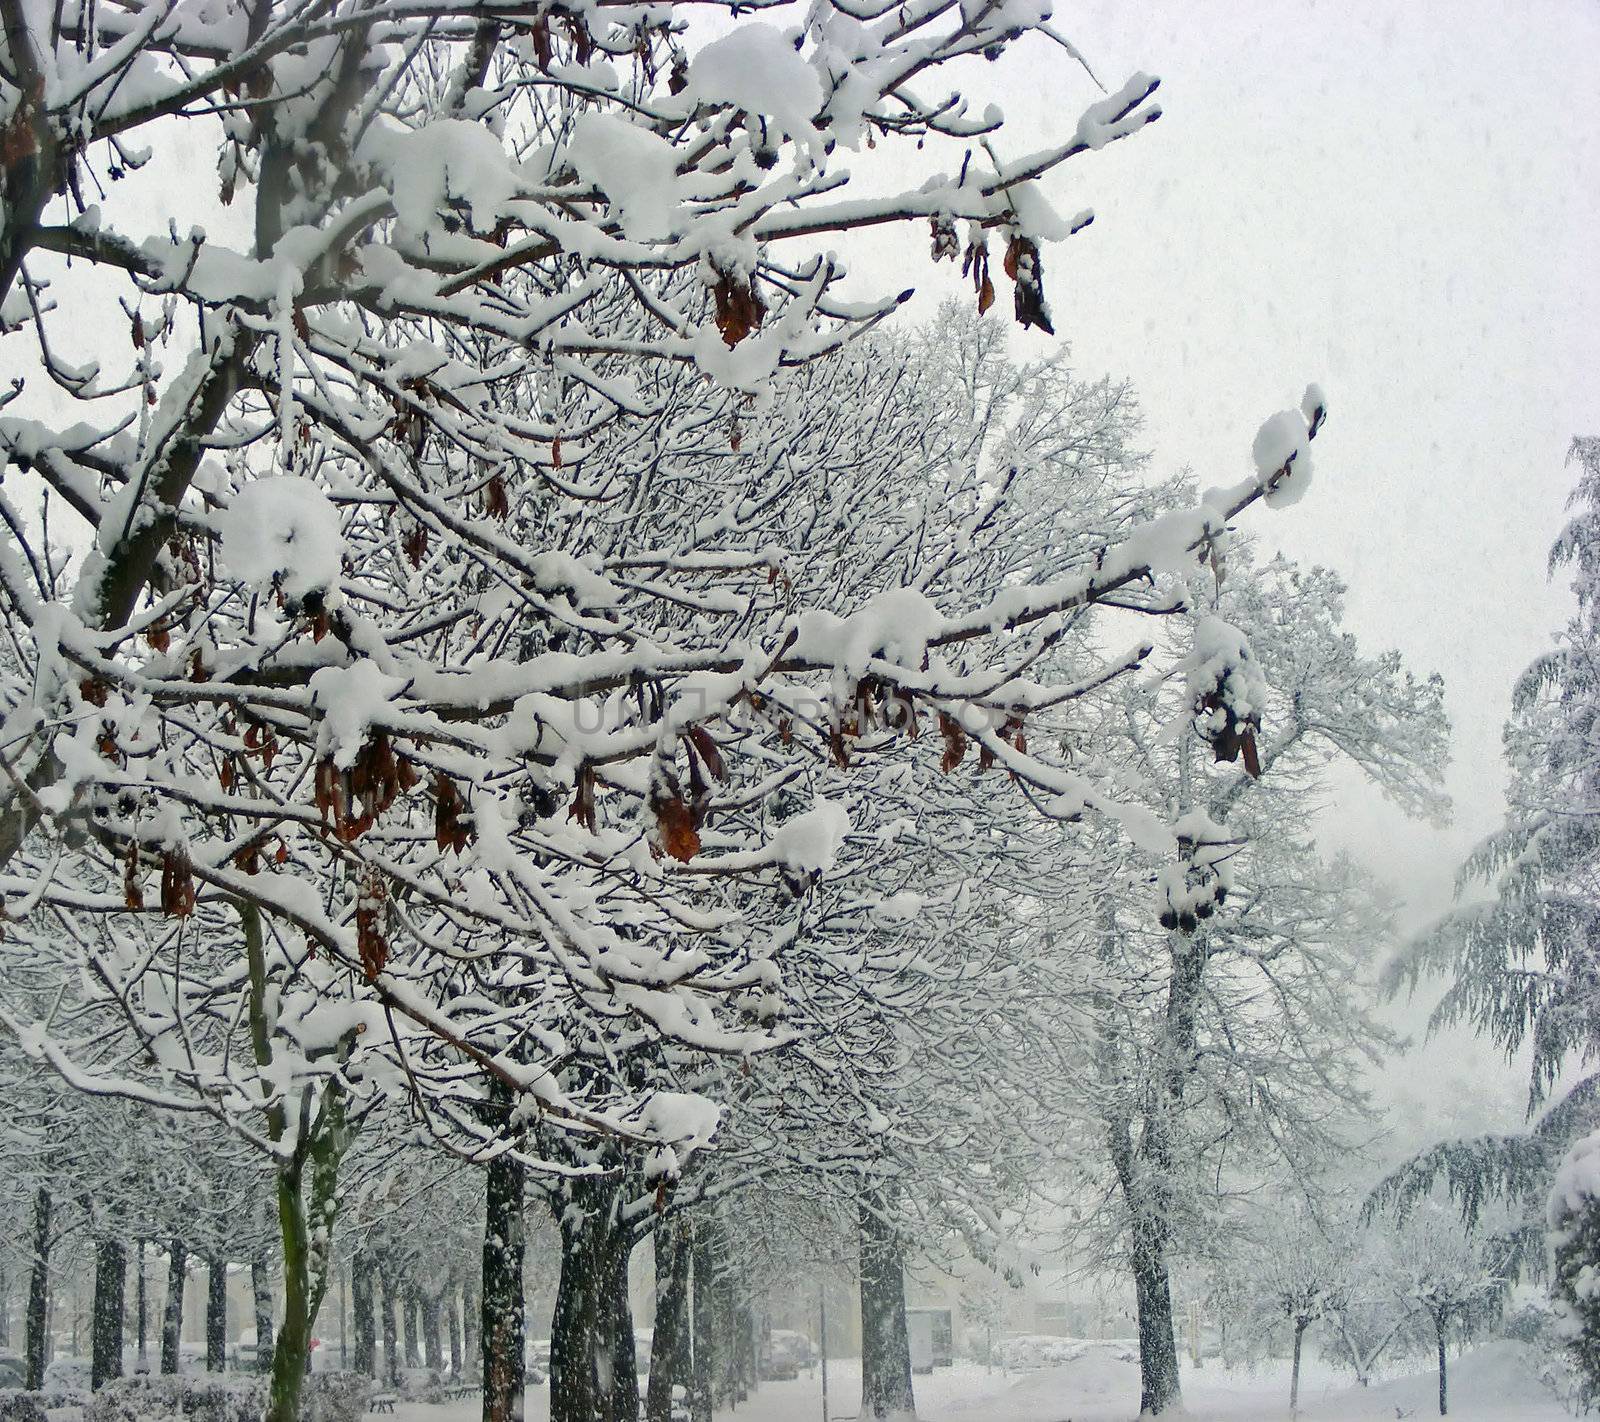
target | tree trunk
x=669, y=1347
x=1149, y=1193
x=616, y=1329
x=573, y=1329
x=143, y=1364
x=110, y=1286
x=307, y=1189
x=470, y=1315
x=307, y=1205
x=503, y=1329
x=261, y=1293
x=746, y=1339
x=729, y=1389
x=217, y=1315
x=703, y=1256
x=172, y=1314
x=361, y=1272
x=38, y=1291
x=1443, y=1393
x=593, y=1366
x=1294, y=1375
x=413, y=1312
x=430, y=1332
x=391, y=1340
x=885, y=1344
x=1159, y=1389
x=292, y=1349
x=453, y=1324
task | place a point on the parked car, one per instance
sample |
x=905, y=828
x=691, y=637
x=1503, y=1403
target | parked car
x=784, y=1354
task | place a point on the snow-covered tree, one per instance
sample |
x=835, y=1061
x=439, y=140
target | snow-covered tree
x=1297, y=1275
x=1226, y=1009
x=404, y=648
x=1450, y=1279
x=1311, y=1269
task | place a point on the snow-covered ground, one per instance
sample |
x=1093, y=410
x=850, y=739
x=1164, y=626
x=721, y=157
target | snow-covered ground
x=1495, y=1383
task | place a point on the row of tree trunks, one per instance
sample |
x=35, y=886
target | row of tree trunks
x=108, y=1327
x=437, y=1323
x=705, y=1333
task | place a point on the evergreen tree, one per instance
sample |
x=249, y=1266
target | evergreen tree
x=1525, y=961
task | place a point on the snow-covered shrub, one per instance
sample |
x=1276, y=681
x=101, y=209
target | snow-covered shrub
x=19, y=1406
x=336, y=1397
x=210, y=1399
x=51, y=1399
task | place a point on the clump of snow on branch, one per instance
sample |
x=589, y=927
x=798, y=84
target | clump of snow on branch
x=1282, y=449
x=282, y=527
x=756, y=68
x=444, y=163
x=634, y=168
x=809, y=843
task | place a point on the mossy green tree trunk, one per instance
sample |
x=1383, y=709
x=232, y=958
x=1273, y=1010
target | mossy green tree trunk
x=315, y=1139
